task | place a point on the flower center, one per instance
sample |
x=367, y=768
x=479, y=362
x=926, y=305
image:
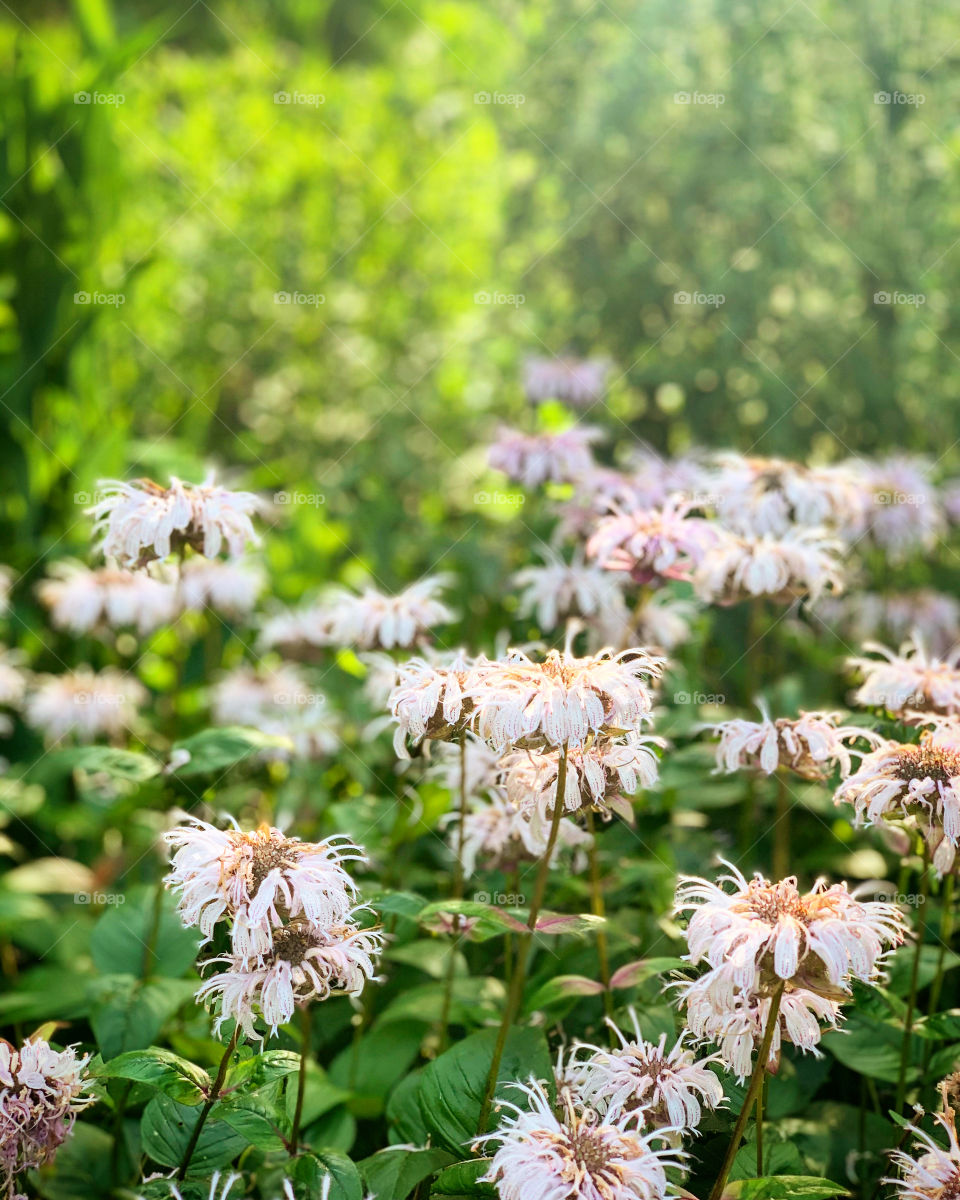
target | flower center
x=291, y=943
x=267, y=856
x=589, y=1150
x=928, y=762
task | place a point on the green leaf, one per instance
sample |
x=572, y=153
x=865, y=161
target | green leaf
x=216, y=750
x=490, y=921
x=403, y=1111
x=462, y=1179
x=83, y=1166
x=392, y=1174
x=260, y=1070
x=378, y=1061
x=174, y=1076
x=129, y=938
x=867, y=1046
x=634, y=973
x=165, y=1129
x=118, y=764
x=310, y=1171
x=452, y=1086
x=562, y=991
x=399, y=904
x=249, y=1117
x=128, y=1014
x=784, y=1187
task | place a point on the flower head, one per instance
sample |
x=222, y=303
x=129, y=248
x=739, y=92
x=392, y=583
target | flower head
x=258, y=880
x=559, y=590
x=916, y=783
x=230, y=587
x=498, y=837
x=576, y=1155
x=142, y=521
x=375, y=620
x=663, y=1088
x=433, y=700
x=762, y=933
x=904, y=512
x=81, y=599
x=41, y=1092
x=811, y=745
x=545, y=457
x=801, y=562
x=577, y=381
x=563, y=699
x=306, y=963
x=909, y=679
x=84, y=704
x=278, y=701
x=663, y=542
x=929, y=1171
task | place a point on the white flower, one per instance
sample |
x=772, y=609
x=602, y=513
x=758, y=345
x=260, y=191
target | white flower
x=374, y=619
x=532, y=459
x=660, y=1087
x=306, y=963
x=929, y=1171
x=802, y=562
x=564, y=699
x=905, y=514
x=13, y=678
x=651, y=543
x=434, y=700
x=909, y=679
x=578, y=381
x=41, y=1092
x=84, y=704
x=811, y=745
x=278, y=701
x=496, y=837
x=559, y=590
x=576, y=1156
x=599, y=776
x=81, y=600
x=231, y=586
x=817, y=940
x=259, y=880
x=913, y=783
x=664, y=621
x=142, y=521
x=734, y=1019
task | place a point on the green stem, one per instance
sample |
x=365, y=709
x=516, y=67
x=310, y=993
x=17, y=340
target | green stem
x=756, y=1079
x=911, y=999
x=760, y=1127
x=306, y=1029
x=946, y=932
x=457, y=894
x=781, y=830
x=598, y=908
x=517, y=981
x=209, y=1103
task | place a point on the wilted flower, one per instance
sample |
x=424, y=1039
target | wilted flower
x=761, y=933
x=802, y=562
x=41, y=1092
x=919, y=783
x=599, y=776
x=563, y=700
x=663, y=542
x=306, y=963
x=929, y=1171
x=276, y=701
x=81, y=599
x=542, y=1156
x=908, y=679
x=259, y=880
x=84, y=704
x=229, y=586
x=577, y=381
x=142, y=521
x=559, y=590
x=663, y=1088
x=810, y=745
x=497, y=837
x=433, y=700
x=532, y=459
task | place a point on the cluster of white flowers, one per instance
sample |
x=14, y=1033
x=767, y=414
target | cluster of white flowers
x=801, y=562
x=557, y=591
x=579, y=382
x=663, y=542
x=228, y=586
x=929, y=1171
x=82, y=600
x=500, y=837
x=759, y=939
x=41, y=1092
x=533, y=459
x=909, y=680
x=84, y=704
x=142, y=521
x=811, y=745
x=279, y=701
x=290, y=907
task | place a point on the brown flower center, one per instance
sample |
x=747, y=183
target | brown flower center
x=928, y=762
